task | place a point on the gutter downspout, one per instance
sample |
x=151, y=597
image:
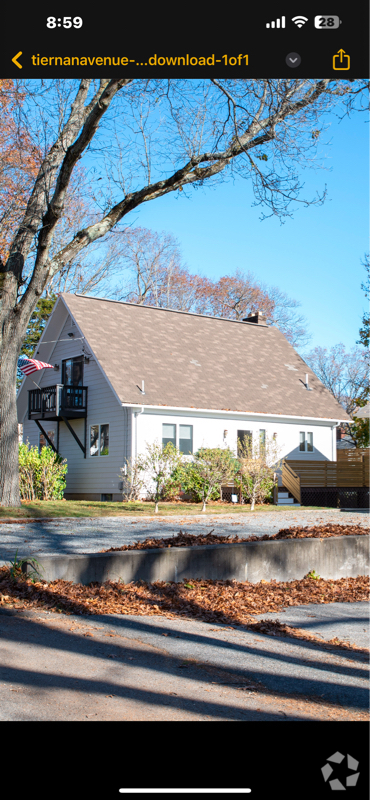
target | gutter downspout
x=334, y=442
x=136, y=415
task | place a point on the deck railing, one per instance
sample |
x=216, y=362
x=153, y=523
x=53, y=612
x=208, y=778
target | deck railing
x=291, y=481
x=55, y=400
x=344, y=473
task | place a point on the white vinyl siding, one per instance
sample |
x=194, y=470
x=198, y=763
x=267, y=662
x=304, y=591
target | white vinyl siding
x=86, y=475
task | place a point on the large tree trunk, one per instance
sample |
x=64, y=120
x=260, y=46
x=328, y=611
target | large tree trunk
x=13, y=326
x=9, y=447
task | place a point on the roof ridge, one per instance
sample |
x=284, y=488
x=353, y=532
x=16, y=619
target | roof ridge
x=173, y=310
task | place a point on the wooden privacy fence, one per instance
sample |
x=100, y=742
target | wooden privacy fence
x=350, y=472
x=353, y=454
x=341, y=473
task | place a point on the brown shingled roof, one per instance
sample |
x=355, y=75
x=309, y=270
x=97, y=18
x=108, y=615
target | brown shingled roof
x=193, y=361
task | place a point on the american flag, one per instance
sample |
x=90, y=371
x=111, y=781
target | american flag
x=29, y=365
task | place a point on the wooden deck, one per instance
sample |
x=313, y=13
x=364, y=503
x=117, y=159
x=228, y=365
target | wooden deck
x=350, y=471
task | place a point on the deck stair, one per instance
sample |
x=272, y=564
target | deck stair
x=286, y=498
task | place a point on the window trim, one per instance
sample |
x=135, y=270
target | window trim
x=174, y=425
x=183, y=424
x=177, y=426
x=306, y=449
x=80, y=359
x=99, y=425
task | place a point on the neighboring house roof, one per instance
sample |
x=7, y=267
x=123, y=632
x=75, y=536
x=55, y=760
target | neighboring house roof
x=363, y=412
x=191, y=361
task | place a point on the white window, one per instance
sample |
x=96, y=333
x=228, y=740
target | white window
x=306, y=441
x=168, y=434
x=181, y=438
x=99, y=440
x=186, y=439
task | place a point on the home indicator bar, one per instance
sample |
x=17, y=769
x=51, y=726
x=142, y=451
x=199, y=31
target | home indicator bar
x=184, y=791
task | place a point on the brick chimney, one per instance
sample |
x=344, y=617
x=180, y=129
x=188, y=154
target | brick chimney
x=258, y=318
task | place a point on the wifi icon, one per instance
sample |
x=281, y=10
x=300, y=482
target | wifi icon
x=299, y=21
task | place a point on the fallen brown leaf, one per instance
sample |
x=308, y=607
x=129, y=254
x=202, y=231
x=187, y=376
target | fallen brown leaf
x=189, y=540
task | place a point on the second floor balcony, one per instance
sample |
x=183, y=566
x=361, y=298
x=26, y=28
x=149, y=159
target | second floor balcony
x=57, y=402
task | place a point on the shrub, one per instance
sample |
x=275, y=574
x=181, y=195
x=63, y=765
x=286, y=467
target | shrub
x=133, y=479
x=192, y=484
x=257, y=465
x=161, y=463
x=173, y=485
x=41, y=475
x=158, y=471
x=205, y=474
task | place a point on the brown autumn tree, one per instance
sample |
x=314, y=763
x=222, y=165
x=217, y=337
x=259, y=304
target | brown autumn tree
x=151, y=272
x=20, y=160
x=191, y=133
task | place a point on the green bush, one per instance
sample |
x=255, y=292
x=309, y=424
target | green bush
x=173, y=485
x=41, y=475
x=203, y=476
x=263, y=494
x=192, y=485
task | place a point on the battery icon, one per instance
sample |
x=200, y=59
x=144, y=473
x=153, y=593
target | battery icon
x=327, y=23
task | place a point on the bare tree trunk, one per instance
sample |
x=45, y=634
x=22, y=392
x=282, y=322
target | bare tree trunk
x=9, y=443
x=156, y=507
x=204, y=506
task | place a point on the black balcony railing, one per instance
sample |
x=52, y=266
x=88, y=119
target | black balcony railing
x=55, y=402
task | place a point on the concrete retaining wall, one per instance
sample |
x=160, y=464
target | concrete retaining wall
x=283, y=560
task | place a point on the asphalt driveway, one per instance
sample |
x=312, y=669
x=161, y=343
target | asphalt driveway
x=126, y=667
x=86, y=535
x=57, y=667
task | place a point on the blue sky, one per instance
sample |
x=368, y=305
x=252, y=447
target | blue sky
x=315, y=257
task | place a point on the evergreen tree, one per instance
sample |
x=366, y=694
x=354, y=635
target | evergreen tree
x=36, y=325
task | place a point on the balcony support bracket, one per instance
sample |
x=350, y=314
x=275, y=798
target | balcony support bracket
x=50, y=443
x=75, y=436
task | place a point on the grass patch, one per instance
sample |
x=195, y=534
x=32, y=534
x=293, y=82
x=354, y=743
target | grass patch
x=85, y=508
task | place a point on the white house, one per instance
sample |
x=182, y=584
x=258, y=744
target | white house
x=126, y=375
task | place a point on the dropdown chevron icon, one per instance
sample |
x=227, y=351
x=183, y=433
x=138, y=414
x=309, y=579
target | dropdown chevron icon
x=293, y=60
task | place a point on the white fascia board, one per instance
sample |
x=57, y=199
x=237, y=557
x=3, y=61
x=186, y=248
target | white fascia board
x=249, y=414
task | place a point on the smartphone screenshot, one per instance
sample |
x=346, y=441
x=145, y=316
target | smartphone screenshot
x=184, y=265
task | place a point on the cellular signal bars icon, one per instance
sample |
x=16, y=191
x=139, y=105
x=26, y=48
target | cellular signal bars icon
x=279, y=23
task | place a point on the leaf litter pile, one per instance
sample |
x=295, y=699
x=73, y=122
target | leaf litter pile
x=190, y=540
x=227, y=602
